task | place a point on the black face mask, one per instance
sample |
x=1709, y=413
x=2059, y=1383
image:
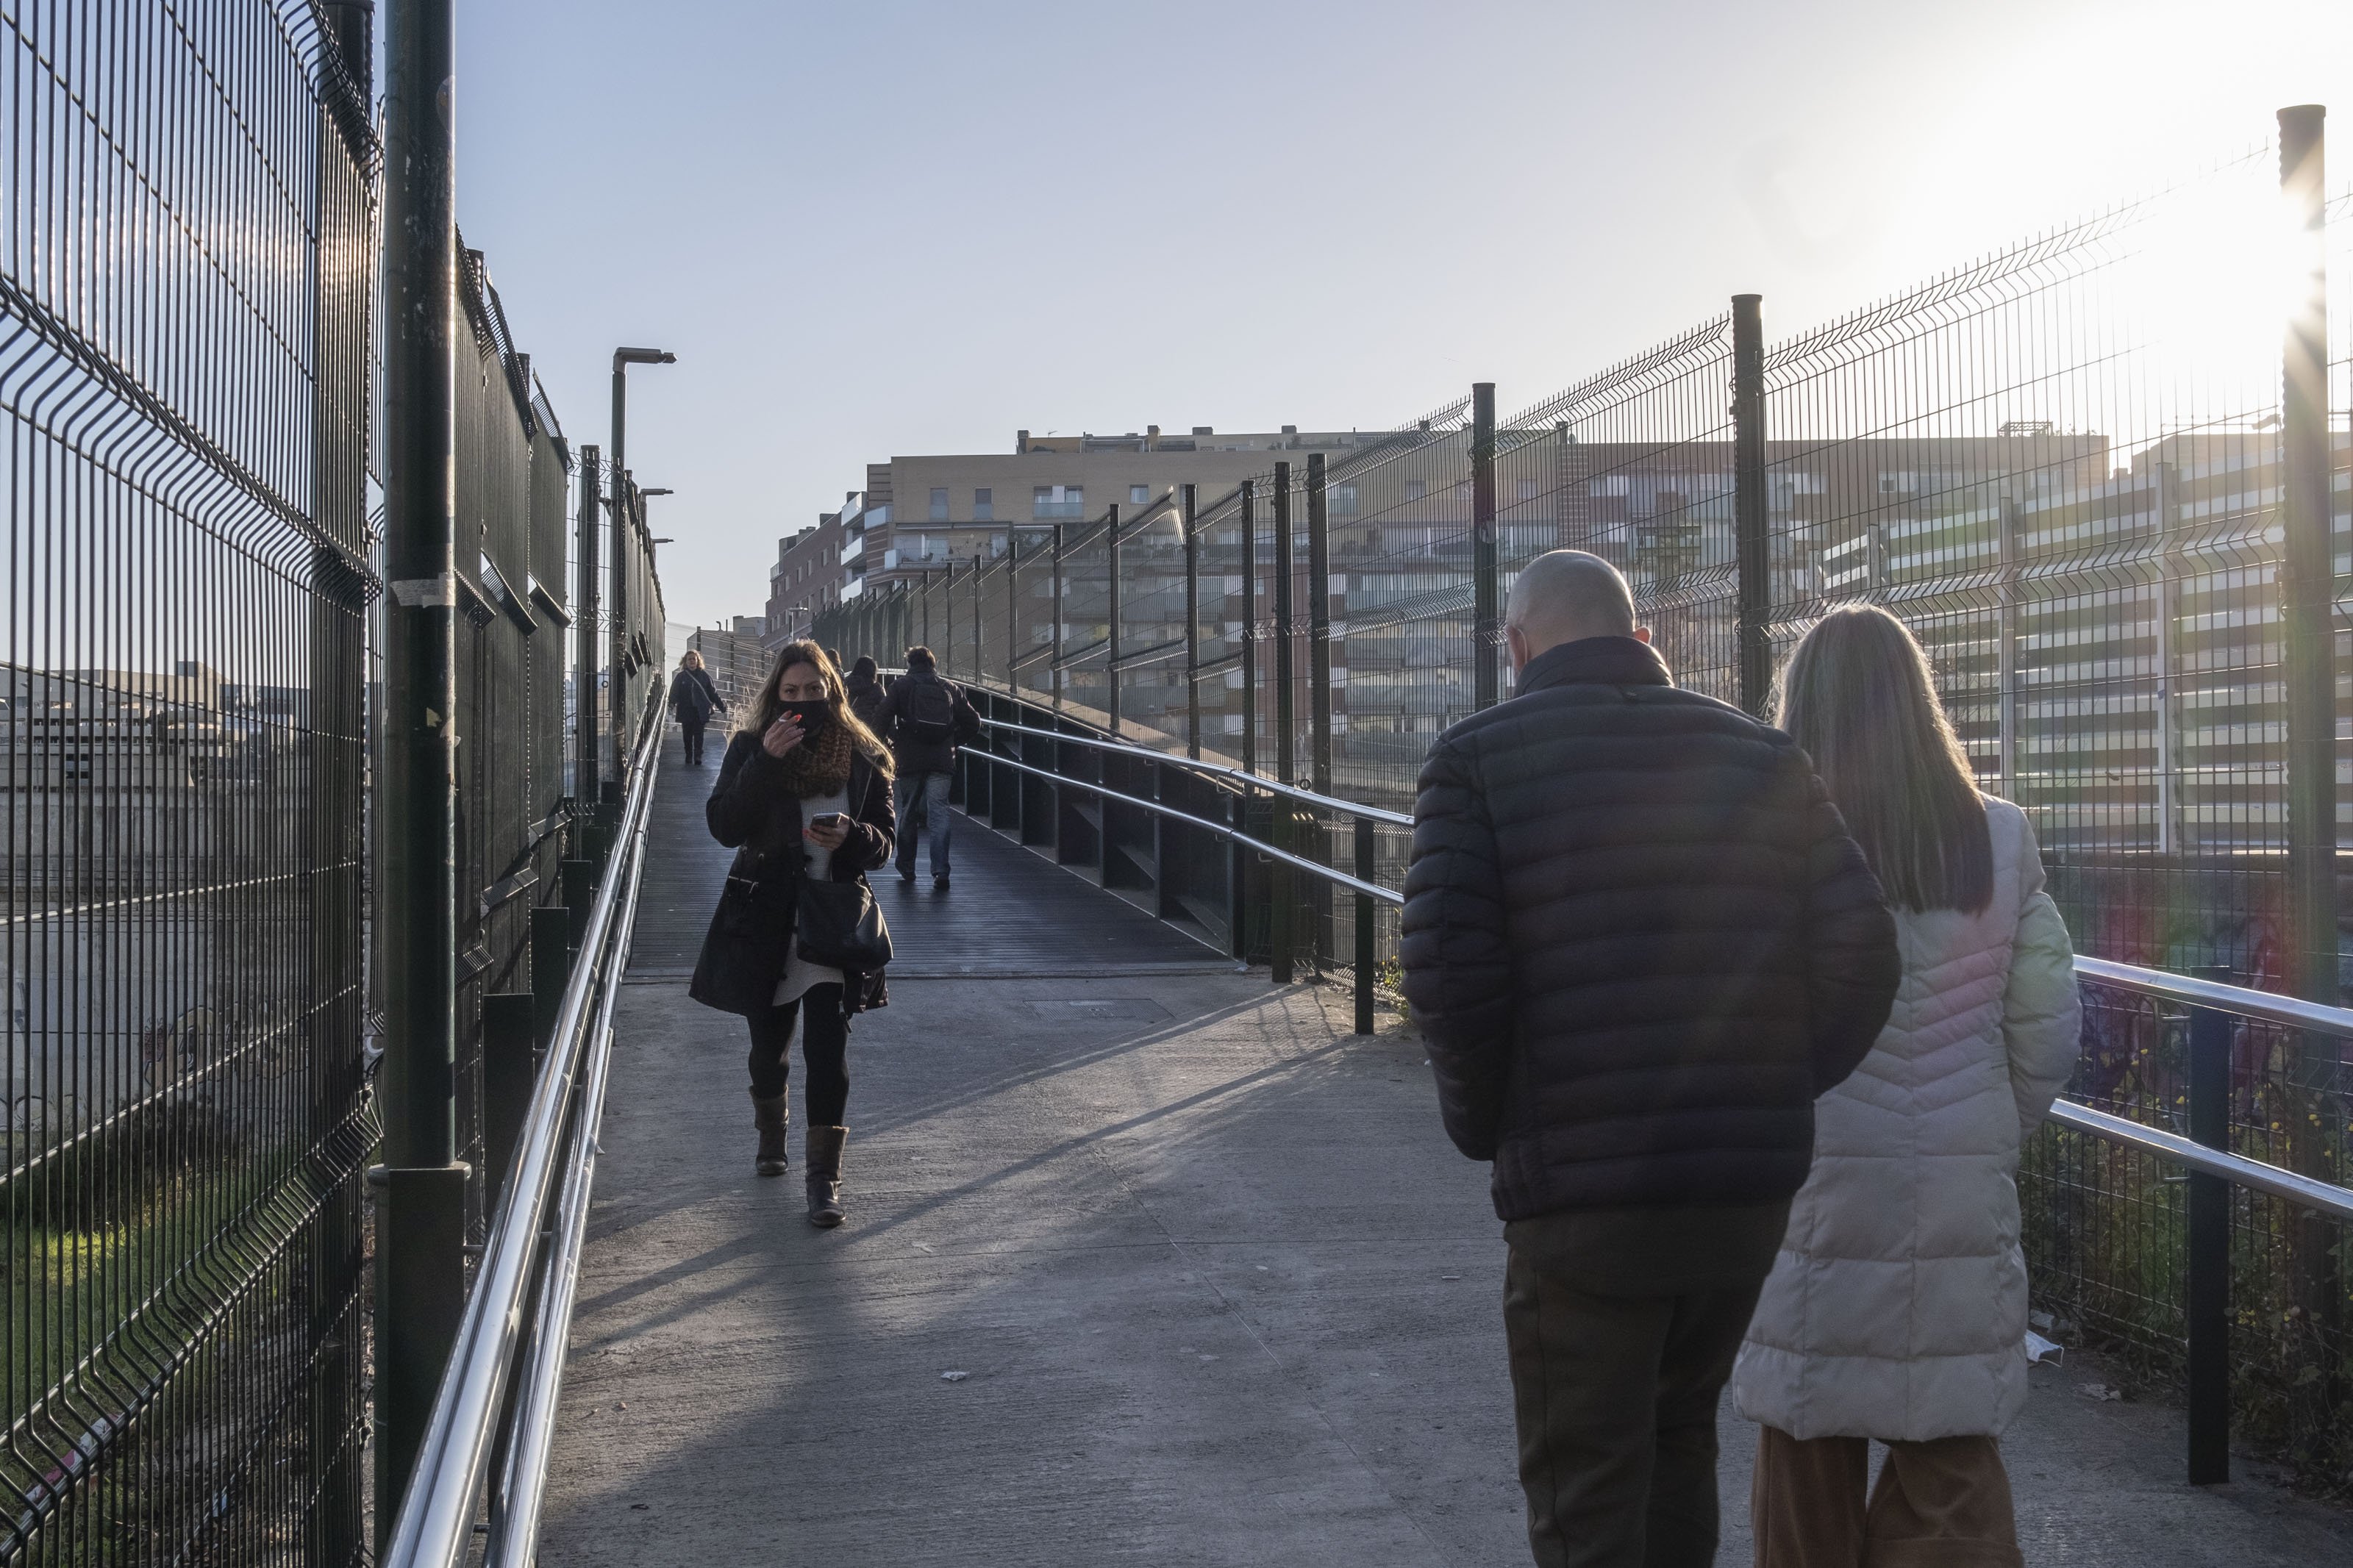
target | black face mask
x=810, y=716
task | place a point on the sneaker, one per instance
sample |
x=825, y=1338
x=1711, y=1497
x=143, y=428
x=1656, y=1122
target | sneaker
x=907, y=874
x=939, y=883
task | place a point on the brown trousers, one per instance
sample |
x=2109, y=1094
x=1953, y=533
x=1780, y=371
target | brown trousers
x=1939, y=1504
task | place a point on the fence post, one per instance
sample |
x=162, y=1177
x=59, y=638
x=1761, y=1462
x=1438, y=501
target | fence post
x=1250, y=624
x=2006, y=654
x=588, y=769
x=2310, y=637
x=420, y=1272
x=1286, y=733
x=1319, y=629
x=2210, y=1247
x=2305, y=568
x=1110, y=656
x=1753, y=558
x=1319, y=687
x=1487, y=619
x=979, y=617
x=1054, y=659
x=616, y=682
x=1237, y=875
x=1192, y=627
x=507, y=1052
x=1367, y=865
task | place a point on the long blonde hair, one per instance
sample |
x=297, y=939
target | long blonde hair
x=1859, y=698
x=837, y=700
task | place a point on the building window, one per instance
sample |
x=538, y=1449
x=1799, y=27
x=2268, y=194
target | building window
x=1050, y=502
x=939, y=503
x=1340, y=500
x=1137, y=495
x=1416, y=490
x=984, y=505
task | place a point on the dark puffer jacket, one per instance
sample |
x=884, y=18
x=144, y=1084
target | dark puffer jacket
x=1638, y=940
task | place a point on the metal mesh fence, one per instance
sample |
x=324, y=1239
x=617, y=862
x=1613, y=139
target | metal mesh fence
x=186, y=591
x=2065, y=465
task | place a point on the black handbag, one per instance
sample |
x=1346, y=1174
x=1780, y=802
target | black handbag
x=742, y=955
x=839, y=925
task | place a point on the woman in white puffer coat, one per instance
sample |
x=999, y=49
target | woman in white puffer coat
x=1896, y=1309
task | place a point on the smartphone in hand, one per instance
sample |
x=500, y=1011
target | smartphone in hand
x=827, y=819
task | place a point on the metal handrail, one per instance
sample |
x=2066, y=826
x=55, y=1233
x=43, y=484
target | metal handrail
x=2289, y=1011
x=2309, y=1191
x=523, y=1488
x=1233, y=835
x=434, y=1526
x=2292, y=1011
x=1212, y=770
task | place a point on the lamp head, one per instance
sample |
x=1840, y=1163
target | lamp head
x=642, y=356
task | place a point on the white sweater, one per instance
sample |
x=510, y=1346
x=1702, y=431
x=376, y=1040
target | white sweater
x=1896, y=1309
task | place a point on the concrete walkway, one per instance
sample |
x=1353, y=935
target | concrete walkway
x=1217, y=1287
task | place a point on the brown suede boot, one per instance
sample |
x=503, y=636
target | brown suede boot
x=774, y=1118
x=824, y=1175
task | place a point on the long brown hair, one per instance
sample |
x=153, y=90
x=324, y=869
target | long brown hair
x=1858, y=697
x=837, y=700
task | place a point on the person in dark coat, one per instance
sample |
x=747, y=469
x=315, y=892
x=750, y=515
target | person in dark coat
x=926, y=717
x=865, y=687
x=1640, y=941
x=804, y=757
x=692, y=700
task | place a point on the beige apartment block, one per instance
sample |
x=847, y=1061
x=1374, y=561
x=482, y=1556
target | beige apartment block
x=921, y=512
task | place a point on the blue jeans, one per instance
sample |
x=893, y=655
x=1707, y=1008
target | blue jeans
x=923, y=795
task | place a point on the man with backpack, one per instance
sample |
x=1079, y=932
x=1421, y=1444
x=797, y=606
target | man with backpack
x=926, y=718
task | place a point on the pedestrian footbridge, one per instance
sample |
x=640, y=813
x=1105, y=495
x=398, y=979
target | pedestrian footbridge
x=1149, y=1259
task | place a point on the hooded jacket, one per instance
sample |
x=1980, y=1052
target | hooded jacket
x=1638, y=940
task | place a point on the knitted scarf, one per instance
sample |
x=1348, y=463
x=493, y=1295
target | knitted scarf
x=819, y=765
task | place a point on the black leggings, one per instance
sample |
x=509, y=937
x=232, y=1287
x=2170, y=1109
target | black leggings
x=693, y=740
x=825, y=1047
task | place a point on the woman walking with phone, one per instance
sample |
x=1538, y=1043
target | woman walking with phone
x=803, y=797
x=1896, y=1308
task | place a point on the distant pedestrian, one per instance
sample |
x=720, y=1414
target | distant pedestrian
x=1639, y=943
x=926, y=718
x=692, y=700
x=1897, y=1308
x=803, y=794
x=865, y=687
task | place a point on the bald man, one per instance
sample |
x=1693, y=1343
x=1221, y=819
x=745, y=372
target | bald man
x=1640, y=943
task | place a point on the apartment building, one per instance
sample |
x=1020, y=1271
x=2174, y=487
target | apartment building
x=805, y=578
x=918, y=513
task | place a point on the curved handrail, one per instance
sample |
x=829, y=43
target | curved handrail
x=1213, y=769
x=435, y=1525
x=2288, y=1011
x=1233, y=835
x=523, y=1488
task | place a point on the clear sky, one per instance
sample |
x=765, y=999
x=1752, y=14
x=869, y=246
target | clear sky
x=872, y=226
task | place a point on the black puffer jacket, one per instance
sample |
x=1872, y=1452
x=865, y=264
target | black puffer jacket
x=1638, y=940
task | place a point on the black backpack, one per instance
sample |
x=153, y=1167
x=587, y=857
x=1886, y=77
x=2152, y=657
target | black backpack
x=928, y=711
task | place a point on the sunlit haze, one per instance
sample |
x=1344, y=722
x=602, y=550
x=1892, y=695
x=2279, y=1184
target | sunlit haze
x=890, y=228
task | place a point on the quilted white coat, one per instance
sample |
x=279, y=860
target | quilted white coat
x=1896, y=1309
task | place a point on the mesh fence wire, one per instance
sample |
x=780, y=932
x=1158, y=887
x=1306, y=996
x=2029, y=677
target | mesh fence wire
x=2062, y=465
x=187, y=593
